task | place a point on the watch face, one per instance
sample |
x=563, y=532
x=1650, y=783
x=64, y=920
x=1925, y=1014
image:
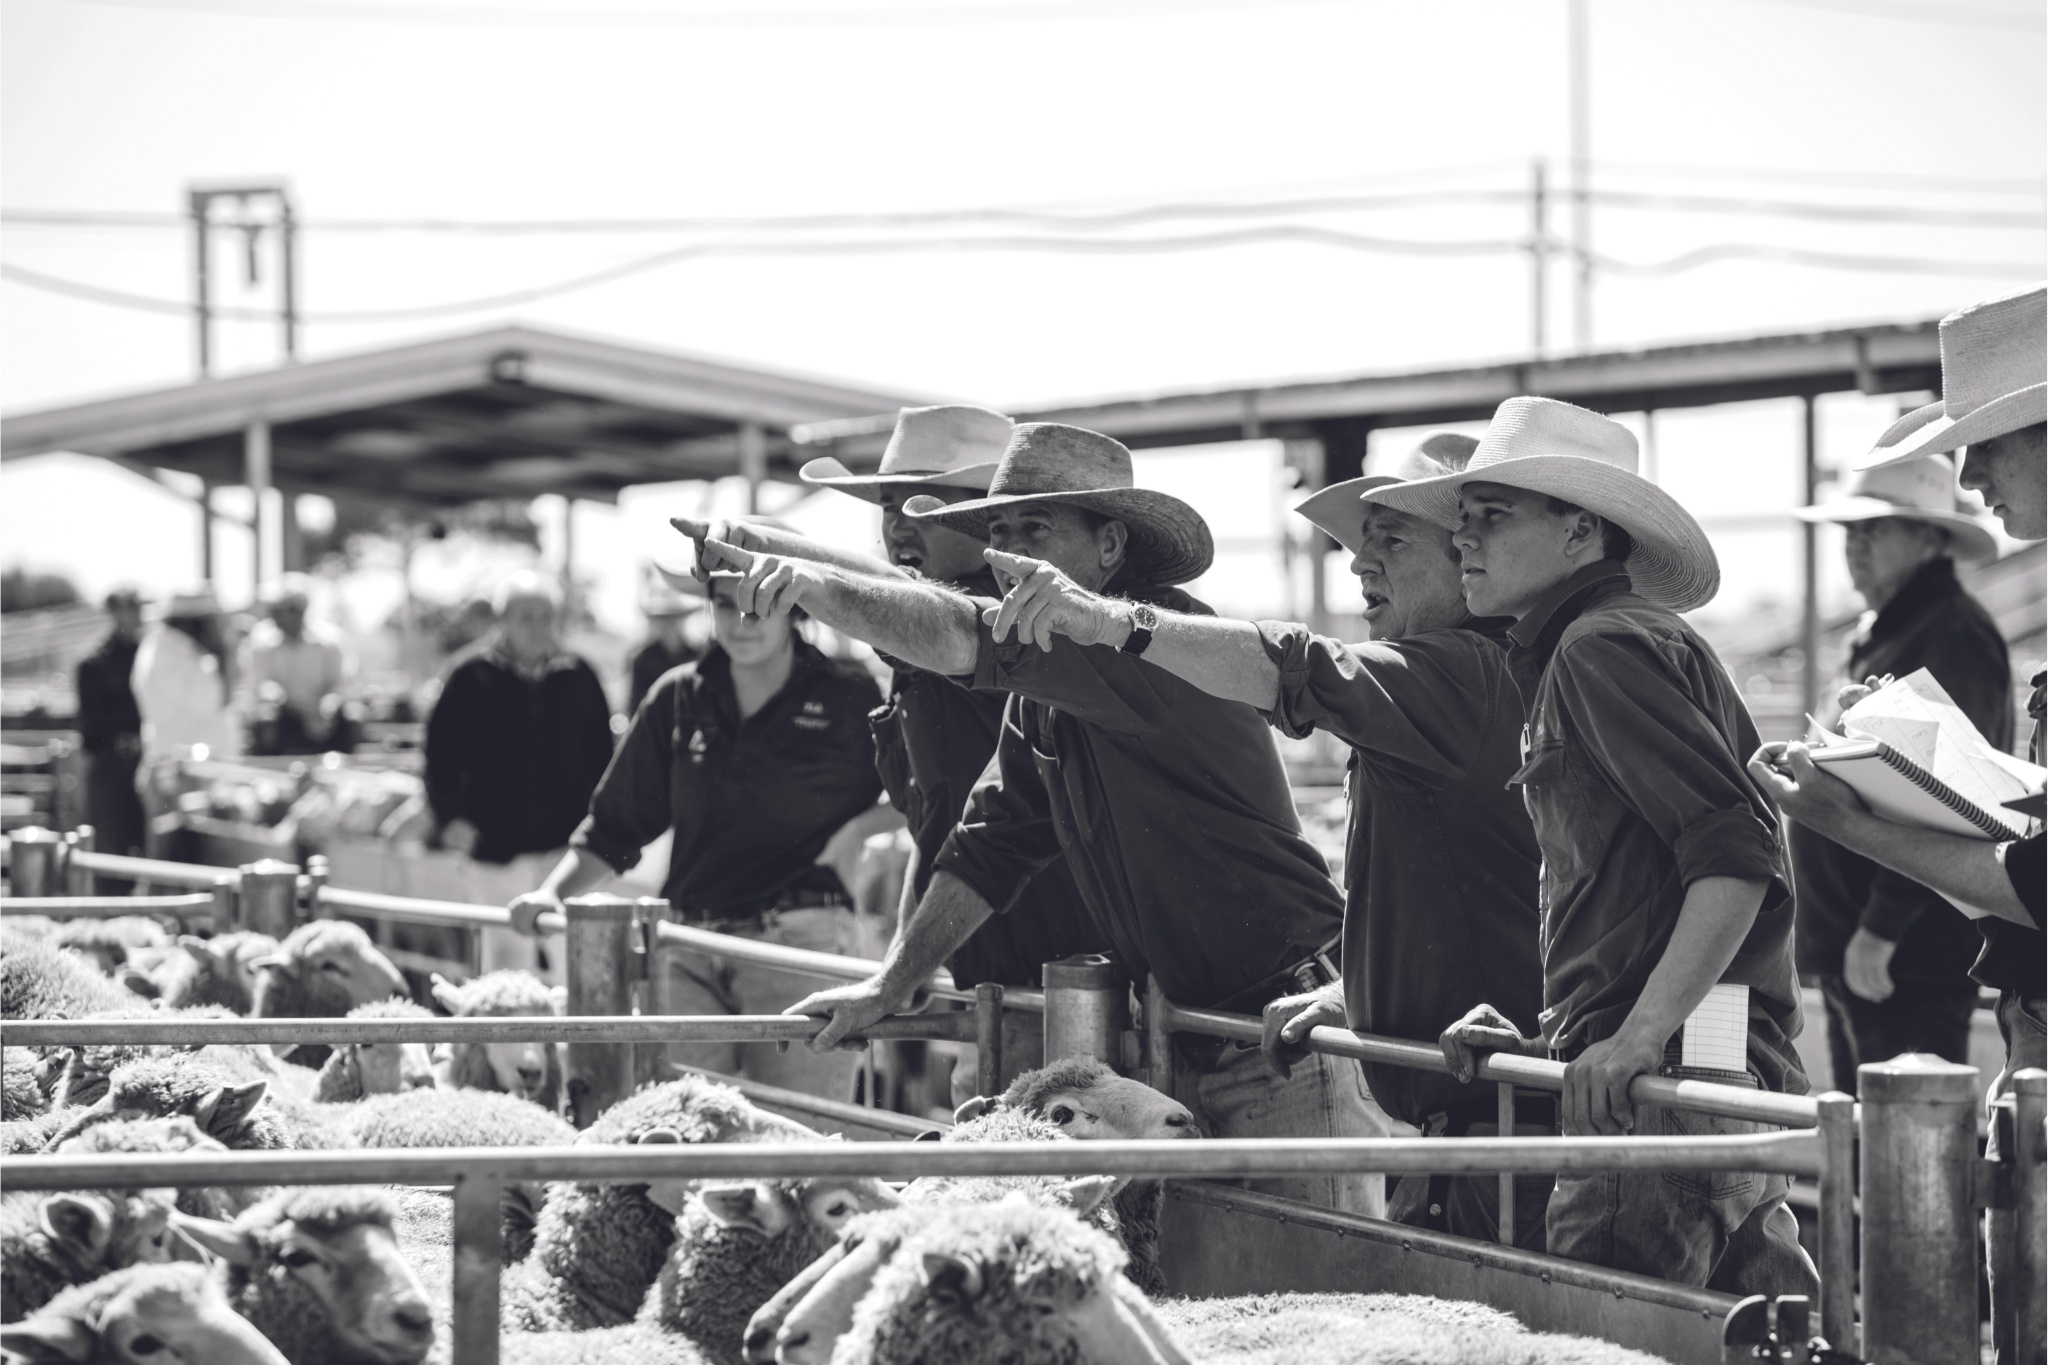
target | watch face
x=1145, y=616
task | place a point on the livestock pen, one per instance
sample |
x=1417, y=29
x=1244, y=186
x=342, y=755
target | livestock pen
x=1899, y=1174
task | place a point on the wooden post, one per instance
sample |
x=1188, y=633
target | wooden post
x=601, y=971
x=270, y=898
x=479, y=1255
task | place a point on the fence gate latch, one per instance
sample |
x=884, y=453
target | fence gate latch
x=1759, y=1329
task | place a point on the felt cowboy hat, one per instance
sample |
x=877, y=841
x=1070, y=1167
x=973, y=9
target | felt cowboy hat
x=954, y=445
x=1566, y=452
x=1994, y=380
x=1339, y=510
x=1920, y=489
x=1050, y=462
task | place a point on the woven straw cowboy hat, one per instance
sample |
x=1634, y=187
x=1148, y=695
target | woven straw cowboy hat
x=1549, y=447
x=1049, y=462
x=1994, y=379
x=1339, y=510
x=1919, y=489
x=953, y=445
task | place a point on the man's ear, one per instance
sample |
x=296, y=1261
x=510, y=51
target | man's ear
x=1586, y=537
x=1114, y=543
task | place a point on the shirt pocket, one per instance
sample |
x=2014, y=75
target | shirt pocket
x=1557, y=809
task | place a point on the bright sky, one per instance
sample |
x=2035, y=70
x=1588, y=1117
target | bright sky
x=445, y=109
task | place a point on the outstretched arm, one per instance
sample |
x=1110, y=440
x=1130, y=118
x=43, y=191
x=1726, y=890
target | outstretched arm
x=1224, y=658
x=925, y=626
x=773, y=540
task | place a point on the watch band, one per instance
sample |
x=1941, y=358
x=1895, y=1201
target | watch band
x=1143, y=619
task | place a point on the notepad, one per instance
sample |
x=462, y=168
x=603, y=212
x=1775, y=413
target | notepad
x=1716, y=1035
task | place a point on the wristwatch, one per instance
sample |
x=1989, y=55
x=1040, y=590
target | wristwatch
x=1144, y=621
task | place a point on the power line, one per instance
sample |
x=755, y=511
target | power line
x=940, y=14
x=1947, y=12
x=1825, y=260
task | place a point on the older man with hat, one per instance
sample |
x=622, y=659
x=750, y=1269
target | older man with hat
x=1663, y=893
x=1440, y=911
x=1892, y=957
x=1169, y=805
x=1994, y=407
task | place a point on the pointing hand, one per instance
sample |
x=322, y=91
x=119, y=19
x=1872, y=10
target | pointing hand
x=1043, y=602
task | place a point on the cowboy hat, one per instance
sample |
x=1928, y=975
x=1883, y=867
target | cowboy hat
x=1994, y=380
x=665, y=592
x=685, y=582
x=1922, y=489
x=953, y=445
x=1566, y=452
x=198, y=601
x=1049, y=462
x=1337, y=510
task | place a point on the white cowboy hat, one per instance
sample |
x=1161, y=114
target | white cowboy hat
x=1994, y=379
x=186, y=602
x=667, y=592
x=953, y=445
x=1048, y=462
x=1339, y=511
x=1567, y=452
x=1922, y=489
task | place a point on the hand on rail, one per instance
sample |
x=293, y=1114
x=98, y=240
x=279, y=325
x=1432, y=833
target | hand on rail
x=1596, y=1085
x=1289, y=1019
x=459, y=836
x=849, y=1008
x=1483, y=1029
x=527, y=910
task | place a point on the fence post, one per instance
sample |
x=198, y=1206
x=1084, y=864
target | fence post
x=479, y=1256
x=316, y=882
x=79, y=881
x=2030, y=1213
x=650, y=1060
x=35, y=853
x=1158, y=1039
x=988, y=1038
x=1838, y=1220
x=601, y=970
x=1086, y=1009
x=270, y=898
x=1919, y=1216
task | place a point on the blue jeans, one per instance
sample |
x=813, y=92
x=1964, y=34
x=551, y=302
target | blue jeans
x=1723, y=1230
x=1240, y=1097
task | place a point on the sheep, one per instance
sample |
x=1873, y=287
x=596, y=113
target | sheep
x=531, y=1070
x=178, y=1134
x=322, y=970
x=598, y=1247
x=38, y=980
x=109, y=944
x=21, y=1084
x=203, y=971
x=226, y=1095
x=49, y=1242
x=633, y=1344
x=353, y=1070
x=317, y=1270
x=143, y=1313
x=85, y=1070
x=21, y=1137
x=1371, y=1329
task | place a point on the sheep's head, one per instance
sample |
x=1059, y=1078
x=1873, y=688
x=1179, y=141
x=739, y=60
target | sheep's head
x=141, y=1316
x=1087, y=1100
x=822, y=1204
x=337, y=1245
x=520, y=1069
x=322, y=970
x=109, y=944
x=106, y=1230
x=386, y=1068
x=222, y=1105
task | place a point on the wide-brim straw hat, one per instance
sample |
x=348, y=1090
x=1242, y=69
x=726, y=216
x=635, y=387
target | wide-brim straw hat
x=1920, y=489
x=953, y=445
x=1050, y=462
x=1994, y=380
x=1567, y=452
x=1339, y=510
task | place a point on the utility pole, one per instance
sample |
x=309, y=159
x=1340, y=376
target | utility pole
x=1539, y=256
x=247, y=200
x=1579, y=63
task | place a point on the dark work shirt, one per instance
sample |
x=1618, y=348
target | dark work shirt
x=106, y=702
x=1170, y=804
x=2015, y=958
x=752, y=802
x=933, y=741
x=1440, y=860
x=1930, y=623
x=517, y=753
x=648, y=662
x=1635, y=781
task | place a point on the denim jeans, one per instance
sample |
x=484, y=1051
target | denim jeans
x=1240, y=1097
x=1469, y=1205
x=1724, y=1230
x=2026, y=1044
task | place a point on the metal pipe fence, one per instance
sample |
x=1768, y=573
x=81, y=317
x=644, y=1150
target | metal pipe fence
x=951, y=1026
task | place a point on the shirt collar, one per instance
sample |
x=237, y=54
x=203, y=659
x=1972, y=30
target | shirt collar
x=1563, y=604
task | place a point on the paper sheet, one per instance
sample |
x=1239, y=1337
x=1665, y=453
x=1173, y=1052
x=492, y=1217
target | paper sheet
x=1915, y=716
x=1716, y=1035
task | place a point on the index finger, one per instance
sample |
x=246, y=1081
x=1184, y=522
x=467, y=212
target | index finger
x=695, y=530
x=730, y=554
x=1020, y=565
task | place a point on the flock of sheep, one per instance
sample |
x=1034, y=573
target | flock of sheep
x=845, y=1270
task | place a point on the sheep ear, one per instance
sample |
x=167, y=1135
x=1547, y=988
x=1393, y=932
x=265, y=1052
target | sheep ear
x=223, y=1112
x=80, y=1222
x=138, y=981
x=950, y=1276
x=1086, y=1194
x=225, y=1240
x=930, y=1135
x=275, y=960
x=48, y=1341
x=447, y=994
x=973, y=1108
x=736, y=1206
x=659, y=1136
x=197, y=948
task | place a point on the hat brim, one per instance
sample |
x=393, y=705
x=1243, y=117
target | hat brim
x=1673, y=563
x=1937, y=435
x=827, y=472
x=1169, y=541
x=1339, y=510
x=1968, y=537
x=683, y=583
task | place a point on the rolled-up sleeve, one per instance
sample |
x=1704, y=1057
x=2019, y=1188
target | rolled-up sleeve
x=631, y=806
x=2025, y=869
x=1006, y=835
x=1092, y=683
x=1637, y=721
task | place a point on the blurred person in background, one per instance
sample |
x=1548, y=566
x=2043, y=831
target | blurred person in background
x=183, y=680
x=110, y=729
x=666, y=609
x=295, y=673
x=1892, y=957
x=757, y=759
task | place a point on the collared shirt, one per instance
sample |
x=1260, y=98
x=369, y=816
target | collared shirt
x=1635, y=780
x=1170, y=805
x=1929, y=623
x=1440, y=860
x=752, y=802
x=2015, y=957
x=933, y=741
x=106, y=702
x=305, y=670
x=647, y=663
x=182, y=697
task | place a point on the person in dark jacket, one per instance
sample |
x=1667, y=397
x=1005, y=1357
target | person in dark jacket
x=110, y=729
x=1892, y=957
x=666, y=608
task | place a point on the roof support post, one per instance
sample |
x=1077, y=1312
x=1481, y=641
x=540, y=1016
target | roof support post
x=206, y=533
x=291, y=540
x=753, y=462
x=568, y=560
x=256, y=473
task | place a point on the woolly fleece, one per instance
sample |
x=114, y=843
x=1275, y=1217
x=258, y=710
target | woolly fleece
x=41, y=981
x=21, y=1085
x=1372, y=1329
x=277, y=1303
x=171, y=1135
x=107, y=943
x=160, y=1087
x=88, y=1302
x=35, y=1267
x=188, y=979
x=286, y=994
x=339, y=1081
x=499, y=995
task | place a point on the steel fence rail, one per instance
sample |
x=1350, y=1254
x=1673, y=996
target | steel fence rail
x=833, y=966
x=950, y=1026
x=156, y=871
x=106, y=907
x=440, y=914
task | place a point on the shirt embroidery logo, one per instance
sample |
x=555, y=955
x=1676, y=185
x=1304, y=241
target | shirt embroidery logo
x=814, y=708
x=811, y=722
x=699, y=746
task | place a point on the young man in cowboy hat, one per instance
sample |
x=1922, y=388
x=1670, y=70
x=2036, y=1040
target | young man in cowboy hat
x=1892, y=956
x=1170, y=805
x=1662, y=882
x=1994, y=380
x=1440, y=911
